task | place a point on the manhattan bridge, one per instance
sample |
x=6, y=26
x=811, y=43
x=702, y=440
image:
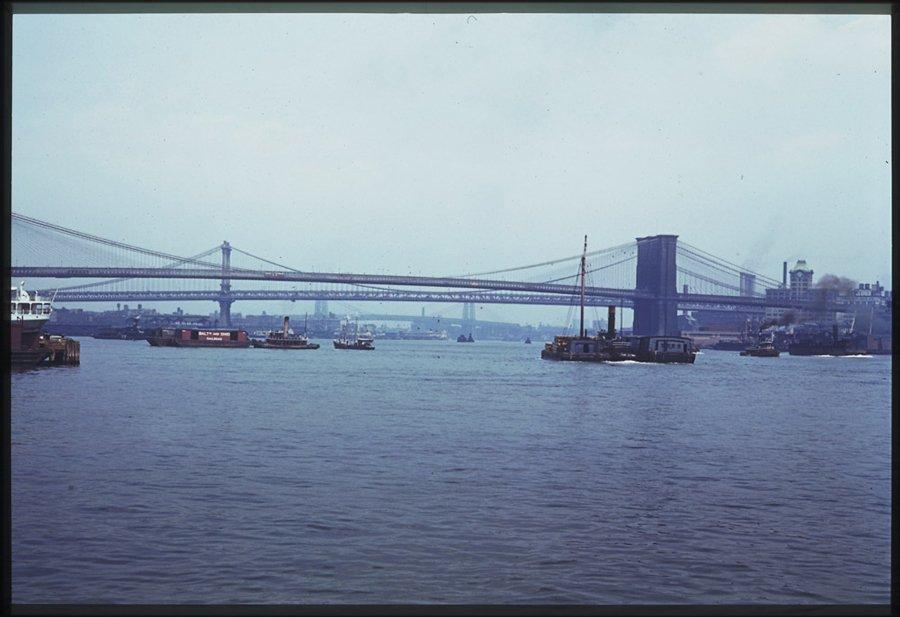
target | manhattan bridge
x=654, y=275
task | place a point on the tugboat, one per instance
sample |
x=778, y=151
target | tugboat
x=528, y=340
x=285, y=339
x=763, y=349
x=462, y=338
x=131, y=333
x=357, y=341
x=606, y=347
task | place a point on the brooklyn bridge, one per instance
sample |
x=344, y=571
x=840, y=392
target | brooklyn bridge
x=654, y=275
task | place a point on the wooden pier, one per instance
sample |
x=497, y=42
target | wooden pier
x=62, y=350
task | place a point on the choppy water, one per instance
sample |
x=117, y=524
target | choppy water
x=438, y=472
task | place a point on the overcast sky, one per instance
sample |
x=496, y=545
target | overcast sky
x=441, y=144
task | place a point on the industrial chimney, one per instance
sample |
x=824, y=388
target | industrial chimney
x=611, y=321
x=784, y=275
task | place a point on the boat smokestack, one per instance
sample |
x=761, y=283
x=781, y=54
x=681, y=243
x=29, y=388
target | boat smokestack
x=784, y=275
x=611, y=321
x=284, y=328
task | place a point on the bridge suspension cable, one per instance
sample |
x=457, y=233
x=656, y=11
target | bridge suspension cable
x=107, y=242
x=709, y=257
x=708, y=279
x=120, y=280
x=547, y=263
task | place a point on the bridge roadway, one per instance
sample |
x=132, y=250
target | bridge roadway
x=368, y=296
x=316, y=277
x=607, y=294
x=349, y=296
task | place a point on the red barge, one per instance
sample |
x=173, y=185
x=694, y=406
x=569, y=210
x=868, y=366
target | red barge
x=198, y=337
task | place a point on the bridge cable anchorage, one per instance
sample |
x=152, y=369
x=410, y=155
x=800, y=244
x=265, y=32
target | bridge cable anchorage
x=105, y=241
x=546, y=263
x=762, y=277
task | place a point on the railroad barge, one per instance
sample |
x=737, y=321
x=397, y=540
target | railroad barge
x=198, y=337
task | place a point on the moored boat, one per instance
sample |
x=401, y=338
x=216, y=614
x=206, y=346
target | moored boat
x=28, y=314
x=28, y=345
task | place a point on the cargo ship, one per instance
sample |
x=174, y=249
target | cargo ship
x=285, y=339
x=607, y=347
x=28, y=313
x=197, y=337
x=364, y=341
x=130, y=333
x=824, y=343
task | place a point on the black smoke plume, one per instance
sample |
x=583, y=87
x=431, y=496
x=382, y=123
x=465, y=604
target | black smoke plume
x=786, y=319
x=840, y=284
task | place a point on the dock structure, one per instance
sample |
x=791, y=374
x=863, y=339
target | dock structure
x=62, y=350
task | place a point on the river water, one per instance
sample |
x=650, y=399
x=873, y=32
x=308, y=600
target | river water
x=440, y=472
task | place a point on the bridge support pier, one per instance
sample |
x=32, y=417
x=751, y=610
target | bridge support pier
x=656, y=275
x=468, y=317
x=225, y=287
x=225, y=313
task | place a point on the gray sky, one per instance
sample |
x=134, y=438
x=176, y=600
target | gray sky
x=442, y=144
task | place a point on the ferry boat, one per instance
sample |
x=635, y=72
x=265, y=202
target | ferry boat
x=198, y=337
x=28, y=312
x=364, y=341
x=285, y=339
x=607, y=347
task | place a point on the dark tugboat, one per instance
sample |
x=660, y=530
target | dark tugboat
x=528, y=340
x=763, y=349
x=285, y=339
x=131, y=333
x=606, y=347
x=824, y=344
x=356, y=341
x=462, y=338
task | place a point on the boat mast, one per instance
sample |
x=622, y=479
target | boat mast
x=583, y=258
